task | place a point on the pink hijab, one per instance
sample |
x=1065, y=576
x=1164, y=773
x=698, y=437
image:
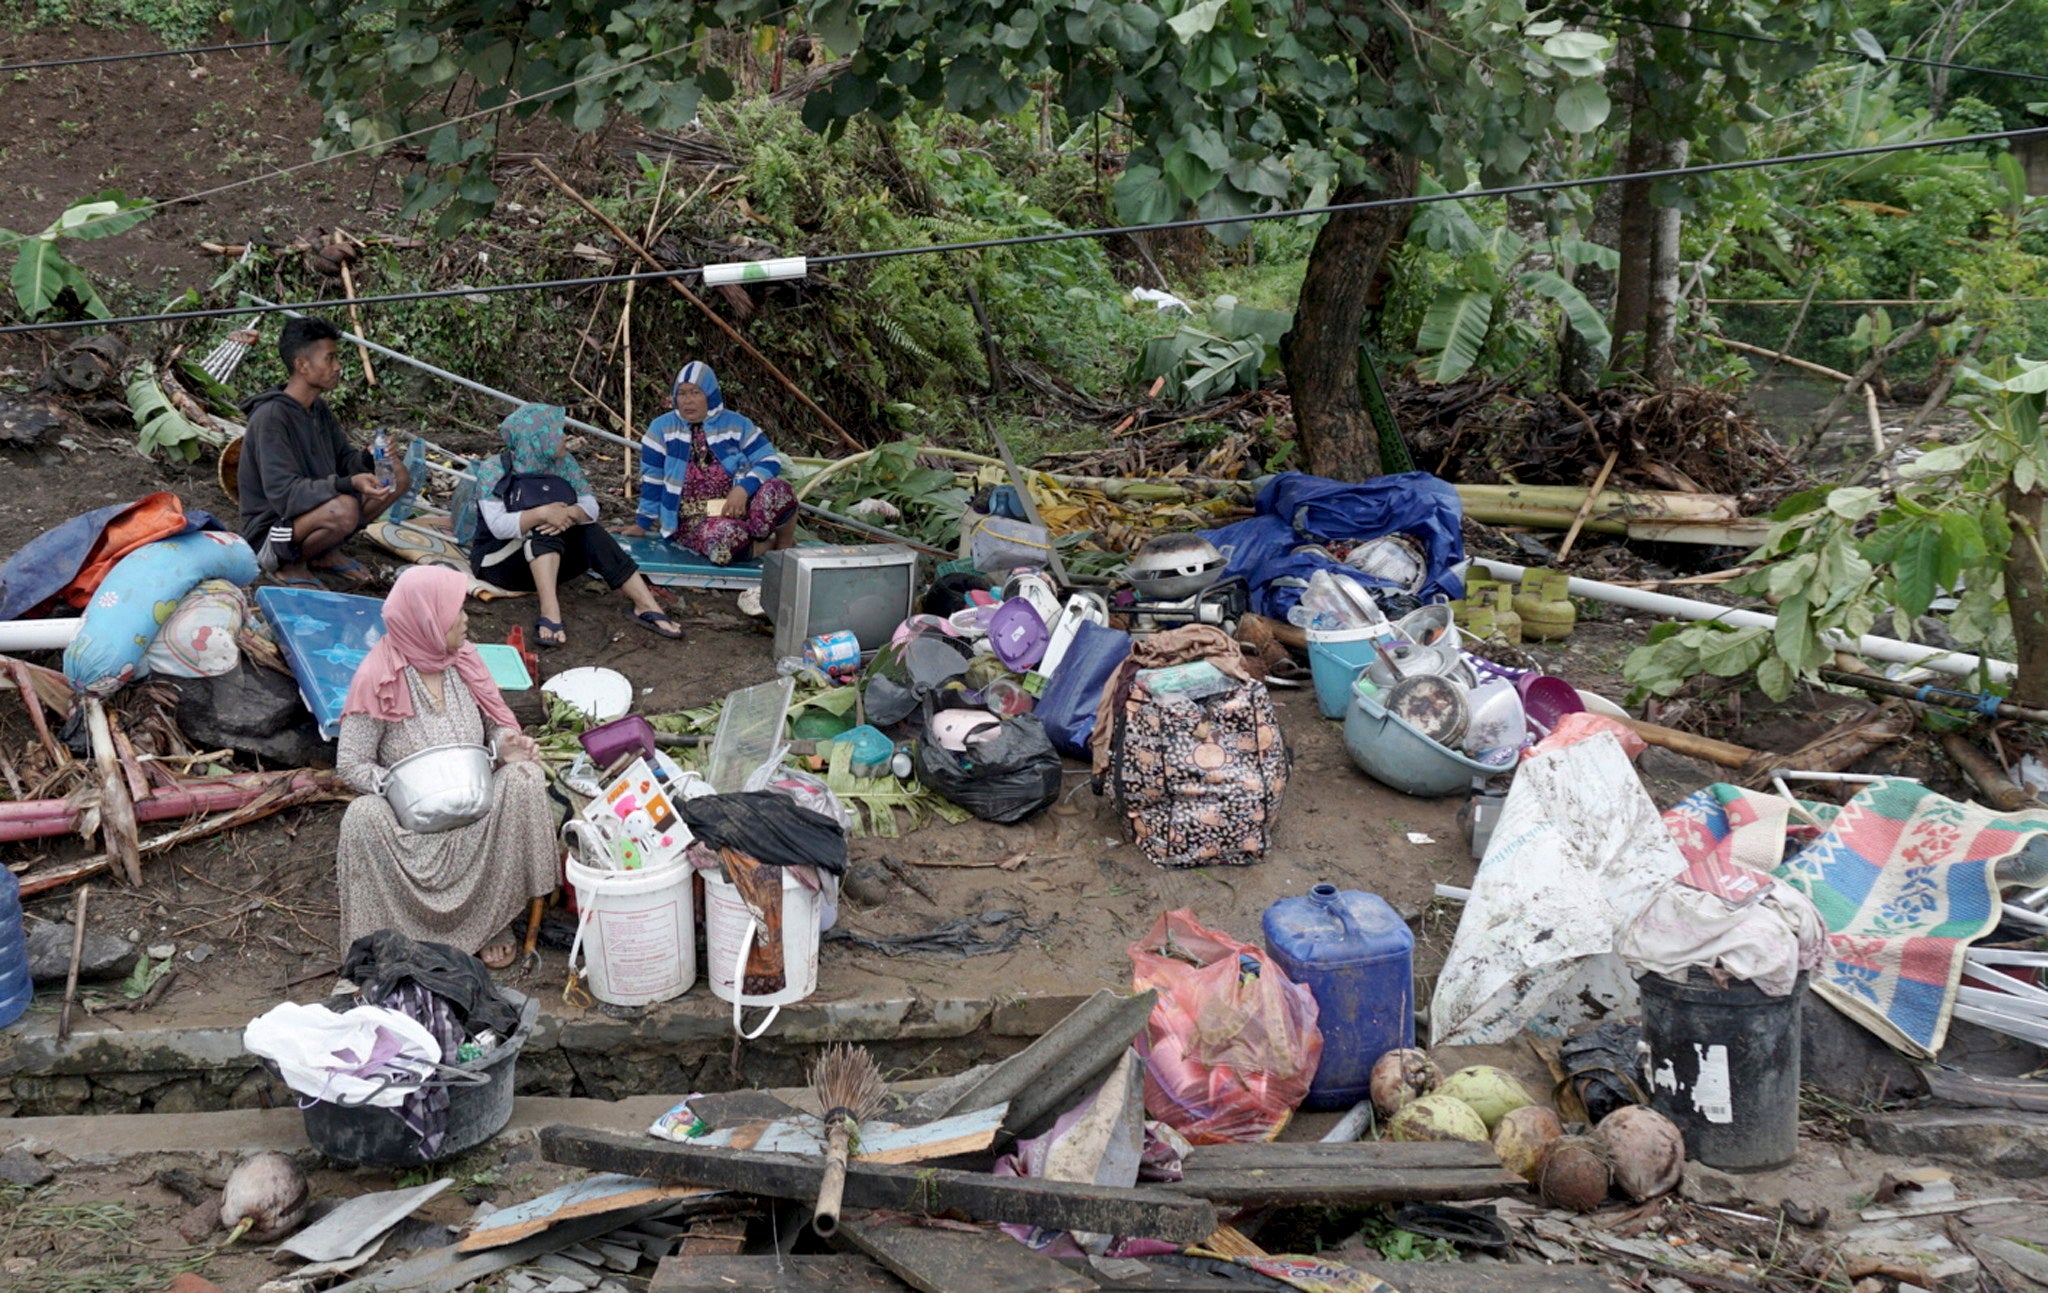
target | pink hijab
x=424, y=604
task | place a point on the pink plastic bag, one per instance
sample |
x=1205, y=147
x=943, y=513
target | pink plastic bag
x=1573, y=728
x=1232, y=1043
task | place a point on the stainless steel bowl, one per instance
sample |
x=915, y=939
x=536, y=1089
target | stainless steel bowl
x=440, y=789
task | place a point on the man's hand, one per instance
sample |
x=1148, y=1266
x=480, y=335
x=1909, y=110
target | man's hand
x=737, y=500
x=517, y=747
x=370, y=493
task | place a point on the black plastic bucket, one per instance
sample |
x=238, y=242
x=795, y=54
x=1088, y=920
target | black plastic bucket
x=1723, y=1064
x=377, y=1137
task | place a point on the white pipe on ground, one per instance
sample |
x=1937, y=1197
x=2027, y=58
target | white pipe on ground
x=38, y=635
x=1889, y=650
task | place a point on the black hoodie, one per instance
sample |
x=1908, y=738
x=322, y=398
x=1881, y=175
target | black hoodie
x=293, y=460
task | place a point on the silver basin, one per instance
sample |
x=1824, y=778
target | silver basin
x=440, y=789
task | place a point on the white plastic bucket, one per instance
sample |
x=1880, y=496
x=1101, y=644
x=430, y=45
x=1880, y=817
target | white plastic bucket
x=729, y=930
x=636, y=931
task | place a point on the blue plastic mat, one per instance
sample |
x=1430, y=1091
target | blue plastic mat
x=323, y=636
x=675, y=567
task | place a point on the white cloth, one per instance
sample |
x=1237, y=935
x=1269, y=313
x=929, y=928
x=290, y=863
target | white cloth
x=503, y=522
x=1766, y=941
x=318, y=1051
x=1578, y=851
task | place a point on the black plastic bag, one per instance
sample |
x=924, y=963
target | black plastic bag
x=1004, y=778
x=768, y=827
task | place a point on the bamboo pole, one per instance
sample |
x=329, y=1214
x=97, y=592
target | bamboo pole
x=1818, y=370
x=77, y=951
x=117, y=809
x=716, y=318
x=355, y=316
x=1571, y=536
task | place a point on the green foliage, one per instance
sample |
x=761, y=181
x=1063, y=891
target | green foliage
x=163, y=428
x=1839, y=559
x=174, y=22
x=1994, y=34
x=1240, y=346
x=1485, y=285
x=930, y=498
x=43, y=278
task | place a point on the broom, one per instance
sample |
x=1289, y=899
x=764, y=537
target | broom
x=849, y=1089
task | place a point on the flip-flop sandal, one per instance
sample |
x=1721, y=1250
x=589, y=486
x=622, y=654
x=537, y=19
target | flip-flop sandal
x=549, y=634
x=659, y=623
x=350, y=571
x=297, y=581
x=1477, y=1228
x=499, y=955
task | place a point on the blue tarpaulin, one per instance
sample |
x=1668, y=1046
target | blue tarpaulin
x=1297, y=511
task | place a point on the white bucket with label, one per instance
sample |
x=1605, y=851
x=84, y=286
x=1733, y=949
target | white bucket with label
x=636, y=932
x=729, y=930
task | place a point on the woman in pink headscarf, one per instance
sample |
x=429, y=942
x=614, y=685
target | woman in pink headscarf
x=424, y=685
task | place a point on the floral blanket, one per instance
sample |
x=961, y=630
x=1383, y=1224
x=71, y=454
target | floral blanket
x=1905, y=879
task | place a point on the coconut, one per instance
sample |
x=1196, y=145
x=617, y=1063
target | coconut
x=1493, y=1093
x=264, y=1197
x=1646, y=1149
x=1572, y=1173
x=1522, y=1136
x=1401, y=1076
x=1436, y=1117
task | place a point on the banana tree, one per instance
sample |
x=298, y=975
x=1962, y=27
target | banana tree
x=1495, y=272
x=41, y=273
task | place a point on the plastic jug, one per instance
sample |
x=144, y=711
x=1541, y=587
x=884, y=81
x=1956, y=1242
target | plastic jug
x=16, y=991
x=1356, y=955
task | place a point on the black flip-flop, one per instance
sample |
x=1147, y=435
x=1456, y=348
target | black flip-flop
x=543, y=627
x=1477, y=1228
x=652, y=621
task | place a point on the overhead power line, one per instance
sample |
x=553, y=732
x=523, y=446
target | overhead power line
x=1854, y=52
x=147, y=53
x=1065, y=235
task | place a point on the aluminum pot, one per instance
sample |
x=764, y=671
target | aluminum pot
x=440, y=789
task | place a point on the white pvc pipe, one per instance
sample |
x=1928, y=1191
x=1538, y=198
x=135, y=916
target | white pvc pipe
x=38, y=635
x=1889, y=650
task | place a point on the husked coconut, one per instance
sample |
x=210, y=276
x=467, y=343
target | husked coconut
x=1436, y=1117
x=265, y=1197
x=1401, y=1076
x=1493, y=1093
x=1572, y=1173
x=1522, y=1136
x=1646, y=1149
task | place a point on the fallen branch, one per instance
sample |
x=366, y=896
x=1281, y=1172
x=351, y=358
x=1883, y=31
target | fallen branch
x=1999, y=790
x=117, y=806
x=43, y=818
x=1571, y=536
x=1818, y=370
x=627, y=240
x=1860, y=379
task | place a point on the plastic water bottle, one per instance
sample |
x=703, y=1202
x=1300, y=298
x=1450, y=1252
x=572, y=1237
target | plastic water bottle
x=380, y=454
x=415, y=473
x=16, y=990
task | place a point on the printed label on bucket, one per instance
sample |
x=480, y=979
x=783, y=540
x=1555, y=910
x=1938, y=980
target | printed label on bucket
x=1710, y=1095
x=641, y=950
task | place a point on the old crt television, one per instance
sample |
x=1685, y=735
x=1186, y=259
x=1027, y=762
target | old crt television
x=869, y=588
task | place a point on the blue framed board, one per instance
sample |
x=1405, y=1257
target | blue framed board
x=323, y=637
x=671, y=566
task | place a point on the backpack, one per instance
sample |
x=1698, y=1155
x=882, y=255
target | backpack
x=1196, y=773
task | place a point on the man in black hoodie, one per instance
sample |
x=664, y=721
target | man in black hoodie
x=304, y=488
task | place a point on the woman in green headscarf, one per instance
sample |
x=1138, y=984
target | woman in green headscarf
x=534, y=525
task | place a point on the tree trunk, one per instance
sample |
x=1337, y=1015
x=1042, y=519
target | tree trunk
x=1635, y=237
x=1660, y=323
x=1321, y=350
x=1580, y=365
x=2024, y=572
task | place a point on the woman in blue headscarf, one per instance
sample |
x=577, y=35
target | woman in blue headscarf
x=710, y=481
x=535, y=526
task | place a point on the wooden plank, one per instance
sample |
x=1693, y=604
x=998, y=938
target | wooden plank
x=880, y=1142
x=834, y=1274
x=592, y=1197
x=444, y=1270
x=1464, y=1277
x=1146, y=1213
x=958, y=1261
x=1338, y=1186
x=1974, y=1092
x=1366, y=1155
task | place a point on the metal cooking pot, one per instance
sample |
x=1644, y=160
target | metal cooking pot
x=440, y=789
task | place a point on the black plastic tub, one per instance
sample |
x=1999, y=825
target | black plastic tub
x=370, y=1136
x=1723, y=1064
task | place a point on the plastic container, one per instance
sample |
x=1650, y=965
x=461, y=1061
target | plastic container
x=1391, y=752
x=636, y=931
x=608, y=742
x=16, y=989
x=377, y=1137
x=1723, y=1064
x=729, y=930
x=1498, y=727
x=1335, y=658
x=1356, y=955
